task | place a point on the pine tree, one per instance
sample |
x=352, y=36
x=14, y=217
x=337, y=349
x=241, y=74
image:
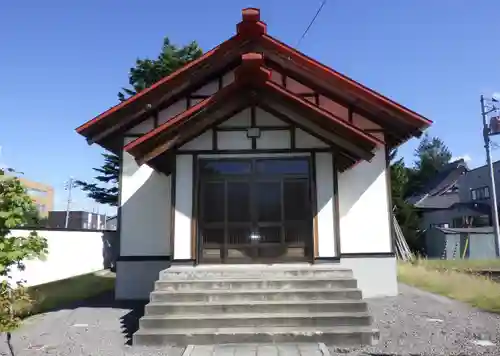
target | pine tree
x=145, y=73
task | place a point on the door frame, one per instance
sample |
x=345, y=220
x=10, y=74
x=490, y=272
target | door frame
x=197, y=244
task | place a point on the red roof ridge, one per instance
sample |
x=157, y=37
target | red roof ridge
x=251, y=26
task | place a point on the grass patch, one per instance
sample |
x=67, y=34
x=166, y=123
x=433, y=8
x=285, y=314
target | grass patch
x=59, y=293
x=461, y=264
x=478, y=291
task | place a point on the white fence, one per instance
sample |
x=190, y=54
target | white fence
x=70, y=253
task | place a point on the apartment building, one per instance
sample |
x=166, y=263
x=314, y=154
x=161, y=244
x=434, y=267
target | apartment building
x=42, y=195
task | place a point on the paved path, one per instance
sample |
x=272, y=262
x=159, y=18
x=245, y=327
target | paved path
x=413, y=323
x=259, y=350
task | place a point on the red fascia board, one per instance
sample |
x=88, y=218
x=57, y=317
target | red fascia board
x=164, y=81
x=288, y=95
x=180, y=118
x=359, y=88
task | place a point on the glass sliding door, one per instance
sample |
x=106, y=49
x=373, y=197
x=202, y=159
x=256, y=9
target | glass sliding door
x=255, y=210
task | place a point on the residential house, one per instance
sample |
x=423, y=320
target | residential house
x=42, y=195
x=441, y=202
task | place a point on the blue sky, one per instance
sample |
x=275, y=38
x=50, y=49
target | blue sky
x=63, y=62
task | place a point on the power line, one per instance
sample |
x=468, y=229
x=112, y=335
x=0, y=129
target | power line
x=311, y=23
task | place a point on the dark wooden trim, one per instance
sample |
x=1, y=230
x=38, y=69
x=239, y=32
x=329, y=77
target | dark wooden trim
x=199, y=96
x=143, y=258
x=220, y=82
x=374, y=130
x=253, y=123
x=155, y=119
x=311, y=94
x=350, y=115
x=250, y=151
x=120, y=189
x=172, y=206
x=293, y=133
x=194, y=214
x=132, y=136
x=183, y=262
x=336, y=215
x=368, y=255
x=389, y=198
x=326, y=259
x=314, y=201
x=214, y=138
x=188, y=102
x=261, y=128
x=283, y=80
x=316, y=98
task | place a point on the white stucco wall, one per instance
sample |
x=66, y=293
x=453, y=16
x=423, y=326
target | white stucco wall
x=241, y=119
x=325, y=204
x=263, y=118
x=145, y=210
x=363, y=207
x=233, y=140
x=304, y=140
x=202, y=142
x=183, y=207
x=274, y=139
x=70, y=253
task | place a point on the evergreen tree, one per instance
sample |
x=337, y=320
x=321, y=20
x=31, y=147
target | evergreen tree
x=145, y=73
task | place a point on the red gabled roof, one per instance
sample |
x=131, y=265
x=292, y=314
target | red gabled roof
x=251, y=30
x=251, y=75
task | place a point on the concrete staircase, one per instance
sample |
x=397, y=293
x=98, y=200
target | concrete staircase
x=221, y=304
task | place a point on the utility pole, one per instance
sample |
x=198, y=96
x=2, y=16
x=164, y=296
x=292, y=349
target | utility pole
x=69, y=185
x=487, y=143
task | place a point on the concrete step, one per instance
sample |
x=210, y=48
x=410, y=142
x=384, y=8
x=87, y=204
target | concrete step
x=335, y=336
x=222, y=296
x=309, y=306
x=190, y=321
x=248, y=283
x=255, y=271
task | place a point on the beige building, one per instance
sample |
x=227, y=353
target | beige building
x=42, y=195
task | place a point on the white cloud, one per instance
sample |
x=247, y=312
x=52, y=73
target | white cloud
x=465, y=157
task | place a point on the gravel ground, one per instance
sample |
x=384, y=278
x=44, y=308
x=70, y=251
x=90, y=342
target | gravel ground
x=420, y=323
x=99, y=327
x=413, y=323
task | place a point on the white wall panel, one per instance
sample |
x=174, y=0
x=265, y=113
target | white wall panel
x=276, y=139
x=233, y=140
x=142, y=128
x=241, y=119
x=228, y=78
x=173, y=110
x=145, y=210
x=183, y=207
x=202, y=142
x=304, y=140
x=363, y=207
x=263, y=118
x=325, y=204
x=208, y=89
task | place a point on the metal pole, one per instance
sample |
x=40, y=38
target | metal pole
x=68, y=205
x=493, y=192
